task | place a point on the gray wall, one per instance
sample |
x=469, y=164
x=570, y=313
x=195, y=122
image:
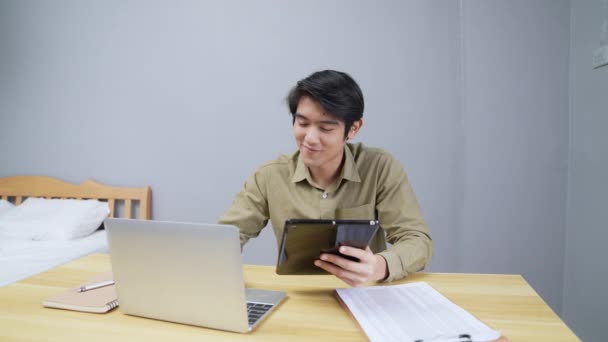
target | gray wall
x=586, y=270
x=515, y=133
x=188, y=97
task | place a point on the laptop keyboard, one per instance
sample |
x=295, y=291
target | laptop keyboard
x=255, y=311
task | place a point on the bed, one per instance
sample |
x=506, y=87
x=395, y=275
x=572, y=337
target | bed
x=35, y=209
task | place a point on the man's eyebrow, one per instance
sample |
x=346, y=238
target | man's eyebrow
x=329, y=122
x=325, y=122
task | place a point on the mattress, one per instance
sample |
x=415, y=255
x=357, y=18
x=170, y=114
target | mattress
x=21, y=258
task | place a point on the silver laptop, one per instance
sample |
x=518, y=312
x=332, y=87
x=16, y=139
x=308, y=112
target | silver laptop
x=186, y=273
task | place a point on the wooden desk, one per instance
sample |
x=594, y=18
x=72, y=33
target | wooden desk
x=504, y=302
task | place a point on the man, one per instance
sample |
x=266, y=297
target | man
x=329, y=178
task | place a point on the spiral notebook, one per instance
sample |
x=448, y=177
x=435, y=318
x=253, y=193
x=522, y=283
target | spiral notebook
x=98, y=300
x=413, y=312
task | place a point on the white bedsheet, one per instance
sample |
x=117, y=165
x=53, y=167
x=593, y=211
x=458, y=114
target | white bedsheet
x=20, y=258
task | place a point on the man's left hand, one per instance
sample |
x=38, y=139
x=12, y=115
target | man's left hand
x=370, y=267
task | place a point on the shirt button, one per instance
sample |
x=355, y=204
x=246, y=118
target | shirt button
x=324, y=195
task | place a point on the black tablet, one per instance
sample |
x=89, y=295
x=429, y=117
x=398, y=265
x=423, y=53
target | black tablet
x=305, y=239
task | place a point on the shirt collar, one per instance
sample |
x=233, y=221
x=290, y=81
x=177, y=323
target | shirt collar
x=301, y=171
x=349, y=169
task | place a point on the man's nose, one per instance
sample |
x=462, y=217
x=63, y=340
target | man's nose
x=312, y=135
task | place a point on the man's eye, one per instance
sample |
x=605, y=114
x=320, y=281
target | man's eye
x=326, y=129
x=303, y=124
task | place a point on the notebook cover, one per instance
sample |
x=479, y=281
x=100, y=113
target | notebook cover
x=98, y=300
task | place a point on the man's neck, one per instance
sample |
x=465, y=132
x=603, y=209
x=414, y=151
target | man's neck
x=326, y=175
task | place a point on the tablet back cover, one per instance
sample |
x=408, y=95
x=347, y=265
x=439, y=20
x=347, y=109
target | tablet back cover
x=304, y=240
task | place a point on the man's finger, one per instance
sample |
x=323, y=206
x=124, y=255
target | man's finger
x=341, y=262
x=361, y=254
x=336, y=270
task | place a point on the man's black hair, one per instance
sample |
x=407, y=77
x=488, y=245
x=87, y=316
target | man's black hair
x=337, y=93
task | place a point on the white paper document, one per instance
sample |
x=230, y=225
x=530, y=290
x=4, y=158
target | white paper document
x=412, y=312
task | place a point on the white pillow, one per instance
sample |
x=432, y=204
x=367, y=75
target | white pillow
x=53, y=219
x=5, y=206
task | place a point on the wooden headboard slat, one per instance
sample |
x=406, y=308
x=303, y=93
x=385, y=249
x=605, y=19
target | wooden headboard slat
x=111, y=205
x=21, y=187
x=128, y=208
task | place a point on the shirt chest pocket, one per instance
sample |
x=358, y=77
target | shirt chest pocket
x=362, y=212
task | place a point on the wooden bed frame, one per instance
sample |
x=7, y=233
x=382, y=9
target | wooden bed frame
x=17, y=188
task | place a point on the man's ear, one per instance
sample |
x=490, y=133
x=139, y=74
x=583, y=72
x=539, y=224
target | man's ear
x=354, y=129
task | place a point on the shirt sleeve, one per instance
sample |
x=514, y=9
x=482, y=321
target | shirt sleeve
x=249, y=210
x=401, y=219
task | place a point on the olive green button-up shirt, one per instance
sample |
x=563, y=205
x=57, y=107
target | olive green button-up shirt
x=371, y=185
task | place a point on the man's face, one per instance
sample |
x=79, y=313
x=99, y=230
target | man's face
x=319, y=136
